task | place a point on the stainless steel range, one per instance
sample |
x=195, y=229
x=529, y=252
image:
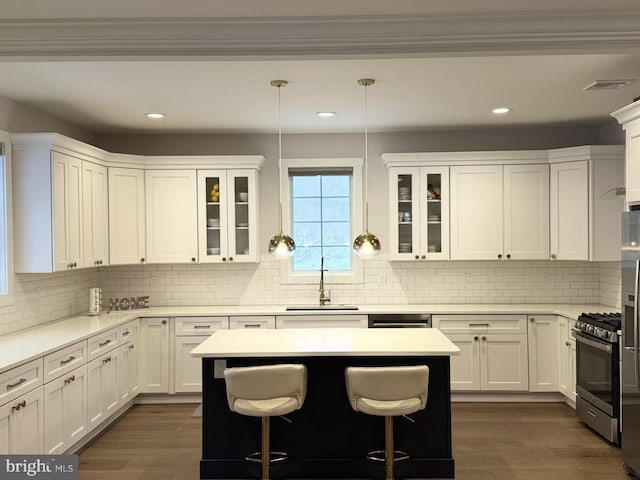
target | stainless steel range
x=598, y=372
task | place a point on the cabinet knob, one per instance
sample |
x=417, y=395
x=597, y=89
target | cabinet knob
x=424, y=257
x=476, y=338
x=532, y=319
x=417, y=257
x=508, y=255
x=164, y=322
x=130, y=347
x=96, y=262
x=231, y=259
x=500, y=255
x=553, y=256
x=567, y=343
x=484, y=339
x=142, y=260
x=224, y=259
x=193, y=259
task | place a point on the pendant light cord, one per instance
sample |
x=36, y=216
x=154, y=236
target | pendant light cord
x=366, y=159
x=279, y=154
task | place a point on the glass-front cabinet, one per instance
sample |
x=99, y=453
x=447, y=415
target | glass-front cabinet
x=419, y=213
x=227, y=215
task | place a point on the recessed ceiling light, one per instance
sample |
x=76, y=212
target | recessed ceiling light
x=154, y=115
x=326, y=114
x=501, y=110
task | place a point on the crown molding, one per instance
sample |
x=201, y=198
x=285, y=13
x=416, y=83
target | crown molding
x=628, y=113
x=229, y=38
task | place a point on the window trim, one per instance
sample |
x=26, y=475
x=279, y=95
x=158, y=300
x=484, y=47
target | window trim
x=287, y=275
x=7, y=298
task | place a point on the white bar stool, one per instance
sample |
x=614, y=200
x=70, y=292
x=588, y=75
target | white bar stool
x=388, y=392
x=266, y=391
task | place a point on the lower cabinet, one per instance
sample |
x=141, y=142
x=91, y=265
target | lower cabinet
x=103, y=387
x=21, y=424
x=130, y=361
x=567, y=355
x=65, y=411
x=543, y=353
x=154, y=355
x=493, y=351
x=188, y=369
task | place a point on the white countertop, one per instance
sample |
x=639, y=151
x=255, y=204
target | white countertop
x=25, y=345
x=323, y=342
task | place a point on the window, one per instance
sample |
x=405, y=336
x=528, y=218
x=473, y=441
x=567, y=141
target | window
x=323, y=213
x=6, y=259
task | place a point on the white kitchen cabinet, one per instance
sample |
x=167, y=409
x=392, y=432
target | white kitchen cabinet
x=585, y=213
x=129, y=361
x=543, y=353
x=154, y=355
x=95, y=215
x=21, y=424
x=500, y=212
x=103, y=389
x=419, y=213
x=188, y=369
x=228, y=215
x=171, y=216
x=567, y=355
x=629, y=118
x=65, y=411
x=127, y=228
x=322, y=321
x=67, y=211
x=493, y=351
x=190, y=326
x=252, y=321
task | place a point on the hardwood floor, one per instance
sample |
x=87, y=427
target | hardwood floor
x=502, y=441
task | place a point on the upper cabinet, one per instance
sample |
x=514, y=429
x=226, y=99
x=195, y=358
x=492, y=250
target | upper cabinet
x=500, y=212
x=171, y=216
x=127, y=228
x=585, y=208
x=59, y=205
x=227, y=215
x=419, y=213
x=629, y=117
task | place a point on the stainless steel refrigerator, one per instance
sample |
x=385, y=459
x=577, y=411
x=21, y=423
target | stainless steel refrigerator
x=630, y=351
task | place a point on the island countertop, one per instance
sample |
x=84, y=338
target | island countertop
x=301, y=342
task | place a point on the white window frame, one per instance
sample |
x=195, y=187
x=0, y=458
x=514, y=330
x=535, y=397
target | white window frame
x=7, y=298
x=287, y=275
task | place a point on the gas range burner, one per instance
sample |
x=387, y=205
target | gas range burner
x=601, y=325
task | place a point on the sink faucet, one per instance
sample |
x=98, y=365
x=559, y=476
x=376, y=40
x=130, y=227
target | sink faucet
x=324, y=296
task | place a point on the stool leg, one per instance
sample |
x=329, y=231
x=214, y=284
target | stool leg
x=265, y=448
x=388, y=446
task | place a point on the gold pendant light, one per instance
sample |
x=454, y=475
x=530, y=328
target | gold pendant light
x=366, y=245
x=281, y=245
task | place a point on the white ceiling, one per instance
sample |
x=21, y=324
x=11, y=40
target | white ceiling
x=235, y=95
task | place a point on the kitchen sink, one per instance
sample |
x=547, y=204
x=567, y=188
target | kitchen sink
x=295, y=308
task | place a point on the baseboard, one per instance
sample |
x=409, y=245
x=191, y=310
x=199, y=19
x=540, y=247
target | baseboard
x=159, y=398
x=505, y=397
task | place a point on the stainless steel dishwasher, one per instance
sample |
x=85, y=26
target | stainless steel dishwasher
x=400, y=320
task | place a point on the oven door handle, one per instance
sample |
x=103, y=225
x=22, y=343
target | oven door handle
x=605, y=347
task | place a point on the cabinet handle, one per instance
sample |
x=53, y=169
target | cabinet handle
x=130, y=347
x=231, y=259
x=508, y=255
x=71, y=358
x=96, y=262
x=164, y=322
x=70, y=265
x=478, y=324
x=142, y=260
x=125, y=333
x=417, y=257
x=106, y=342
x=106, y=360
x=252, y=325
x=423, y=257
x=70, y=379
x=20, y=405
x=202, y=326
x=499, y=255
x=14, y=385
x=99, y=262
x=476, y=338
x=567, y=343
x=484, y=339
x=193, y=259
x=553, y=256
x=224, y=259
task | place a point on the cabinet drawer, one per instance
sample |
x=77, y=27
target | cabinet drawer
x=103, y=343
x=63, y=361
x=20, y=380
x=128, y=331
x=322, y=321
x=481, y=323
x=200, y=325
x=257, y=321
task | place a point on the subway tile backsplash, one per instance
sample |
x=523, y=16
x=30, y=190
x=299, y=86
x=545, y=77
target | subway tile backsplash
x=40, y=298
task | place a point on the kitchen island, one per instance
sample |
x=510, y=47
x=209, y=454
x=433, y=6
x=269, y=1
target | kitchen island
x=326, y=438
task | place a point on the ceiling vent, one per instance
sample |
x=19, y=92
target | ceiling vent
x=608, y=84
